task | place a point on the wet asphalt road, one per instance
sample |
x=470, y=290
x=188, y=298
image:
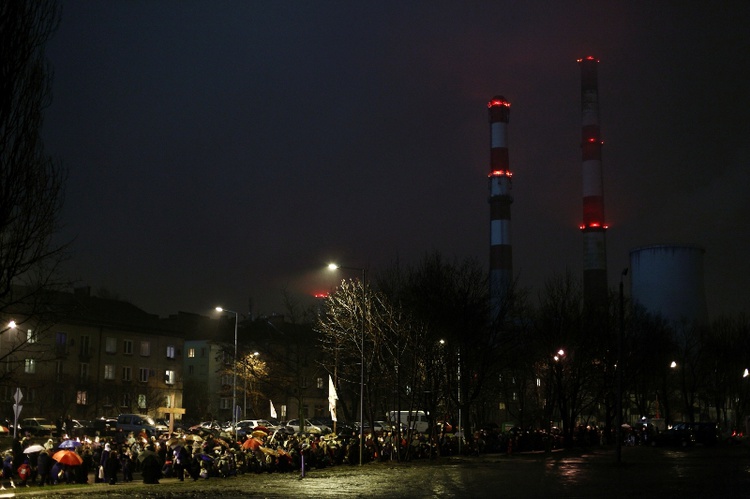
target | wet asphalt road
x=719, y=472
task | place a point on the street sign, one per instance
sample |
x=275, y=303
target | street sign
x=17, y=410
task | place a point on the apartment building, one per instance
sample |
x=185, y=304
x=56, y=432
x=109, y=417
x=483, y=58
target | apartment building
x=88, y=357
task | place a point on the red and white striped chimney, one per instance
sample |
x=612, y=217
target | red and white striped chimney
x=501, y=261
x=594, y=225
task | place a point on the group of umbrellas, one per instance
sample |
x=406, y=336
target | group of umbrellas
x=65, y=455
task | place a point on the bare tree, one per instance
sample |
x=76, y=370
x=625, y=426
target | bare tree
x=31, y=183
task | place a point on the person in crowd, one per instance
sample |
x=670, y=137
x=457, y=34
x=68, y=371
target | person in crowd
x=24, y=473
x=102, y=473
x=44, y=464
x=151, y=467
x=112, y=467
x=127, y=466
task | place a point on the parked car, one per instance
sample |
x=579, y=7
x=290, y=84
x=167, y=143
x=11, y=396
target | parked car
x=246, y=426
x=38, y=426
x=212, y=426
x=83, y=427
x=324, y=425
x=680, y=434
x=309, y=427
x=105, y=426
x=137, y=423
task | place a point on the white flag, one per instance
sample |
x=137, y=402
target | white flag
x=273, y=410
x=332, y=398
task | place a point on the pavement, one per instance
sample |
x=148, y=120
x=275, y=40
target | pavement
x=643, y=472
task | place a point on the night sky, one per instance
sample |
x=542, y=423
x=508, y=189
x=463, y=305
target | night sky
x=221, y=151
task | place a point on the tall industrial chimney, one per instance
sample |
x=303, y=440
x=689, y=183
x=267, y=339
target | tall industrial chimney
x=501, y=262
x=593, y=227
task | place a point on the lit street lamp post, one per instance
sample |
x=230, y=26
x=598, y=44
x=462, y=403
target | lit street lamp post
x=333, y=266
x=234, y=371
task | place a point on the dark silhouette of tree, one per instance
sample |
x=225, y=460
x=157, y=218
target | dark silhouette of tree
x=31, y=183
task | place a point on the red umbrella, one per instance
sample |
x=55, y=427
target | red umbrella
x=251, y=444
x=67, y=457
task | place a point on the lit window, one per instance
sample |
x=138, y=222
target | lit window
x=81, y=397
x=319, y=383
x=29, y=366
x=109, y=371
x=142, y=401
x=170, y=352
x=30, y=336
x=145, y=348
x=169, y=377
x=191, y=352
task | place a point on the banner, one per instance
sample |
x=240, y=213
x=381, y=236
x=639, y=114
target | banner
x=273, y=410
x=332, y=398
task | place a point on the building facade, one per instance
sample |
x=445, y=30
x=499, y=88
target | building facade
x=87, y=357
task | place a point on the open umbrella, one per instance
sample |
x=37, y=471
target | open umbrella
x=259, y=433
x=33, y=448
x=147, y=456
x=204, y=457
x=67, y=457
x=69, y=444
x=4, y=429
x=174, y=442
x=251, y=444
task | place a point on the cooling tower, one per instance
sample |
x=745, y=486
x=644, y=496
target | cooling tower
x=668, y=280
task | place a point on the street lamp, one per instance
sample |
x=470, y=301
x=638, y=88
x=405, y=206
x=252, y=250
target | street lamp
x=333, y=266
x=234, y=371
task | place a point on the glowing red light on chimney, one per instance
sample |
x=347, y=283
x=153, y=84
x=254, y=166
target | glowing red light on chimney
x=500, y=173
x=498, y=102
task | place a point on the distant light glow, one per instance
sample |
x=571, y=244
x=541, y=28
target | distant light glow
x=498, y=102
x=593, y=225
x=320, y=295
x=588, y=58
x=500, y=173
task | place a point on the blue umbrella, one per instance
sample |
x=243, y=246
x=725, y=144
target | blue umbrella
x=69, y=444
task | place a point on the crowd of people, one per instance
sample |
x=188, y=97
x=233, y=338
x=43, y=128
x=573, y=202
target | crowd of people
x=207, y=454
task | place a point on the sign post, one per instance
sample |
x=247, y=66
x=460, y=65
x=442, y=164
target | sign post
x=17, y=410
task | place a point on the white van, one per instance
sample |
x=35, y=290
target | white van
x=415, y=420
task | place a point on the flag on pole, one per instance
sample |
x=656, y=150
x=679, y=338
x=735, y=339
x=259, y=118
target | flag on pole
x=273, y=410
x=332, y=398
